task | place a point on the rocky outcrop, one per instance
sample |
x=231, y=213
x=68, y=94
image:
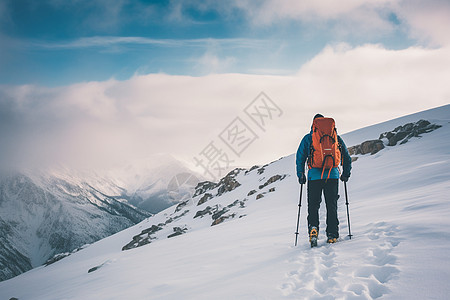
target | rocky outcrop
x=203, y=187
x=218, y=213
x=205, y=198
x=272, y=180
x=222, y=219
x=229, y=182
x=251, y=169
x=207, y=211
x=181, y=205
x=251, y=192
x=177, y=231
x=367, y=147
x=60, y=256
x=143, y=238
x=402, y=134
x=262, y=169
x=226, y=184
x=56, y=258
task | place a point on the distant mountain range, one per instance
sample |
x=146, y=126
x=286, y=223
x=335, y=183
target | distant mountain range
x=46, y=212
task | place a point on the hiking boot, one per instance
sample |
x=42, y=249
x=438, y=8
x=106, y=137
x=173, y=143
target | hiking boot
x=313, y=235
x=331, y=240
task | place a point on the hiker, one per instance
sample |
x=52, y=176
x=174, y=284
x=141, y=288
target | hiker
x=323, y=174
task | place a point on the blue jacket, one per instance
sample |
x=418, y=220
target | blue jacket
x=316, y=173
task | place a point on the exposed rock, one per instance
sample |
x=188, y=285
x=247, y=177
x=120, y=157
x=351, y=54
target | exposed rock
x=177, y=231
x=60, y=256
x=221, y=219
x=203, y=187
x=181, y=205
x=251, y=192
x=143, y=238
x=229, y=182
x=395, y=138
x=151, y=230
x=98, y=267
x=271, y=190
x=261, y=170
x=259, y=196
x=56, y=258
x=205, y=198
x=372, y=147
x=236, y=202
x=403, y=133
x=272, y=180
x=207, y=211
x=138, y=241
x=251, y=169
x=400, y=134
x=180, y=215
x=168, y=221
x=218, y=221
x=94, y=269
x=219, y=213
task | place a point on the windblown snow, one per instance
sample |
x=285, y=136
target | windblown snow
x=238, y=243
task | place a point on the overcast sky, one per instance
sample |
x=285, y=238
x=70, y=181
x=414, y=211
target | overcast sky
x=108, y=81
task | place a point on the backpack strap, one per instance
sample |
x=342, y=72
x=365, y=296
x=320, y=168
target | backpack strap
x=323, y=164
x=334, y=141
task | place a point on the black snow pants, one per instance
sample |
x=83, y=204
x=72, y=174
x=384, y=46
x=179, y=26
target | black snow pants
x=329, y=187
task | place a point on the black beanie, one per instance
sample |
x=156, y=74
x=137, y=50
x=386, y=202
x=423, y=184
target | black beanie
x=318, y=116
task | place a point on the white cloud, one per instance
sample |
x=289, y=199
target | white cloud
x=427, y=21
x=104, y=122
x=347, y=14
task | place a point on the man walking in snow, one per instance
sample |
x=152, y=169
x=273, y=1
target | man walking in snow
x=323, y=149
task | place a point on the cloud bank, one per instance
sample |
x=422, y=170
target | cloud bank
x=104, y=123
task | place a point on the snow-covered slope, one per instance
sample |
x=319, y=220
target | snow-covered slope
x=399, y=215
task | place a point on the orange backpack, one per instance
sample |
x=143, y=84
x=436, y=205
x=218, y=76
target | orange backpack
x=325, y=150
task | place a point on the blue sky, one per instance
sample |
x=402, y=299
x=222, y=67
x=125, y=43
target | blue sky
x=55, y=42
x=84, y=81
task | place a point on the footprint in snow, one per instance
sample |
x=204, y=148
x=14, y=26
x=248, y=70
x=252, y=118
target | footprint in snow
x=321, y=273
x=379, y=264
x=315, y=278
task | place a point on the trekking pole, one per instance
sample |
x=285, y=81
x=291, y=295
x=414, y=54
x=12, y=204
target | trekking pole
x=348, y=214
x=298, y=216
